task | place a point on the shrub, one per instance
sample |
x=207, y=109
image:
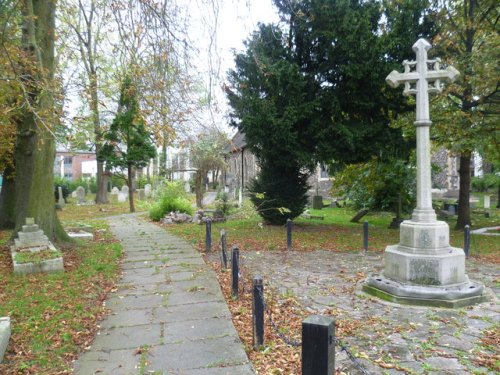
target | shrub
x=222, y=203
x=486, y=182
x=279, y=193
x=172, y=198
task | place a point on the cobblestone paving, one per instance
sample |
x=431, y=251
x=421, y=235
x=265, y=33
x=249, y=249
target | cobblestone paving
x=418, y=340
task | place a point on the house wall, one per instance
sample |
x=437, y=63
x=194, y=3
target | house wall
x=75, y=165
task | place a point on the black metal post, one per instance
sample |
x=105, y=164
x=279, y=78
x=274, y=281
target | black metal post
x=208, y=235
x=223, y=244
x=467, y=240
x=365, y=235
x=289, y=225
x=318, y=345
x=258, y=312
x=235, y=258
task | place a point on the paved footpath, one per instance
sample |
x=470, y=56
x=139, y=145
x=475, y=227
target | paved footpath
x=168, y=315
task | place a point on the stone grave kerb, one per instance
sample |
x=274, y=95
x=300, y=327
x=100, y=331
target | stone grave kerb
x=31, y=239
x=423, y=269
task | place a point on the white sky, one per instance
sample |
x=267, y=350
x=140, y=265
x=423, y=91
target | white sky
x=237, y=19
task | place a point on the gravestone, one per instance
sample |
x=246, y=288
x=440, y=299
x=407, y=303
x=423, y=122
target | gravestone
x=4, y=335
x=60, y=201
x=141, y=193
x=113, y=196
x=147, y=190
x=487, y=202
x=187, y=187
x=123, y=196
x=80, y=194
x=30, y=241
x=423, y=269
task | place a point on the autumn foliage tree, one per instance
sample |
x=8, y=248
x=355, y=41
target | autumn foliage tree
x=467, y=115
x=32, y=69
x=128, y=144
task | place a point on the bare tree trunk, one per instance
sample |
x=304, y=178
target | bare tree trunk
x=464, y=192
x=130, y=188
x=35, y=145
x=7, y=199
x=198, y=188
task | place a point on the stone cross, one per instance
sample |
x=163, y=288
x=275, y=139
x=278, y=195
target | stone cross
x=421, y=77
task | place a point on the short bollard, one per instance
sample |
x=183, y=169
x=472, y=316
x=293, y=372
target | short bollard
x=208, y=235
x=289, y=224
x=223, y=245
x=258, y=312
x=318, y=345
x=235, y=258
x=467, y=241
x=365, y=235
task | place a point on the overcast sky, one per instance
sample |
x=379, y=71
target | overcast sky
x=236, y=20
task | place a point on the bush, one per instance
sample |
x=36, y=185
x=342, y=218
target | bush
x=279, y=193
x=222, y=203
x=486, y=182
x=64, y=184
x=172, y=198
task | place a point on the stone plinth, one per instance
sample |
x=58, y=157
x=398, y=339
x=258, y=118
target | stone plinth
x=55, y=264
x=4, y=335
x=32, y=240
x=423, y=269
x=31, y=236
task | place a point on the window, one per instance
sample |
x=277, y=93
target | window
x=323, y=171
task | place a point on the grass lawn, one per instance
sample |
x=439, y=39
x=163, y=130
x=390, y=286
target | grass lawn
x=54, y=316
x=335, y=232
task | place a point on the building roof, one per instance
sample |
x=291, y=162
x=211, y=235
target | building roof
x=237, y=143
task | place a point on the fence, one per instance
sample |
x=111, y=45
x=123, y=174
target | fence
x=318, y=332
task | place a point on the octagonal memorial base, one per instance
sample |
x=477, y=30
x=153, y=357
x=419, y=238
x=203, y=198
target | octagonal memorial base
x=423, y=269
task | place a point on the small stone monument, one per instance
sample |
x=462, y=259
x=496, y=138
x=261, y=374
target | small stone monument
x=423, y=269
x=80, y=194
x=147, y=190
x=187, y=187
x=123, y=196
x=4, y=335
x=113, y=196
x=487, y=202
x=141, y=194
x=60, y=201
x=28, y=249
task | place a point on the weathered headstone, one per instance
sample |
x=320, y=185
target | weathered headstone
x=80, y=194
x=115, y=190
x=60, y=201
x=125, y=189
x=487, y=202
x=423, y=268
x=122, y=197
x=141, y=194
x=4, y=335
x=187, y=187
x=147, y=190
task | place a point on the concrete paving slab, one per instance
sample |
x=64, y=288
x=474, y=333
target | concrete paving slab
x=217, y=352
x=128, y=337
x=127, y=318
x=115, y=362
x=198, y=329
x=193, y=311
x=170, y=304
x=135, y=302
